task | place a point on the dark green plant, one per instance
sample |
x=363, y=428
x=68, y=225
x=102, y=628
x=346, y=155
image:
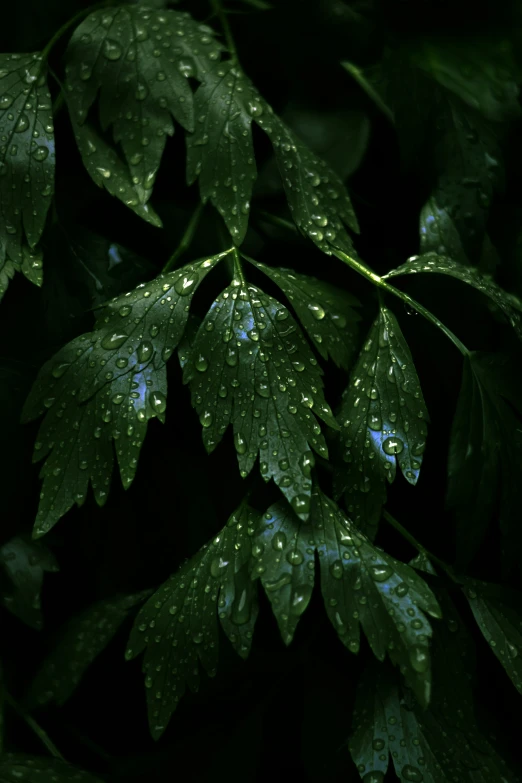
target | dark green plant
x=313, y=360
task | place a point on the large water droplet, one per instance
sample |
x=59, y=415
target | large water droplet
x=186, y=284
x=40, y=153
x=240, y=443
x=318, y=312
x=419, y=659
x=301, y=504
x=412, y=774
x=145, y=351
x=374, y=777
x=158, y=402
x=300, y=599
x=113, y=340
x=279, y=541
x=392, y=446
x=217, y=566
x=380, y=573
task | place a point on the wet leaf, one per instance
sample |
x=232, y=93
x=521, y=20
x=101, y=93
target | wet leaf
x=251, y=367
x=431, y=746
x=105, y=385
x=497, y=612
x=485, y=455
x=220, y=153
x=318, y=199
x=480, y=71
x=326, y=312
x=509, y=304
x=178, y=627
x=25, y=563
x=383, y=420
x=33, y=769
x=364, y=586
x=78, y=645
x=284, y=554
x=138, y=61
x=27, y=161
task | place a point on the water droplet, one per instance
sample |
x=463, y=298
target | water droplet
x=59, y=369
x=374, y=777
x=318, y=312
x=201, y=364
x=279, y=541
x=240, y=443
x=412, y=774
x=6, y=101
x=300, y=599
x=301, y=504
x=141, y=91
x=419, y=659
x=158, y=401
x=393, y=446
x=145, y=351
x=40, y=153
x=185, y=284
x=113, y=340
x=295, y=557
x=111, y=49
x=217, y=566
x=381, y=572
x=378, y=744
x=336, y=569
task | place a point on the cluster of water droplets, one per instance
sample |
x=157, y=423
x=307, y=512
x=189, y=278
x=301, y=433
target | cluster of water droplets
x=325, y=313
x=220, y=152
x=27, y=154
x=251, y=366
x=177, y=627
x=105, y=386
x=138, y=62
x=383, y=416
x=317, y=198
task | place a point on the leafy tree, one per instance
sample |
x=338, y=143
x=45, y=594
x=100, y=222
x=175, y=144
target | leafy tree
x=308, y=214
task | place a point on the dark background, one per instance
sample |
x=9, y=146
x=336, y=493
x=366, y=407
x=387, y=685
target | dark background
x=285, y=711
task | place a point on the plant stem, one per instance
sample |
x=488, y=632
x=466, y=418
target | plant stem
x=41, y=733
x=238, y=267
x=385, y=286
x=418, y=546
x=276, y=220
x=65, y=27
x=186, y=239
x=227, y=32
x=363, y=82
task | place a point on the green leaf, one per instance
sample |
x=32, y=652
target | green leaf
x=318, y=199
x=497, y=612
x=27, y=162
x=325, y=311
x=221, y=152
x=33, y=769
x=178, y=626
x=251, y=367
x=30, y=265
x=480, y=71
x=509, y=304
x=138, y=61
x=384, y=422
x=81, y=641
x=25, y=563
x=362, y=585
x=431, y=746
x=104, y=386
x=485, y=457
x=285, y=564
x=109, y=171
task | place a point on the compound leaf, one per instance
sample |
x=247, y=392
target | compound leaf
x=27, y=162
x=178, y=626
x=25, y=563
x=384, y=422
x=220, y=152
x=325, y=311
x=105, y=385
x=285, y=563
x=498, y=616
x=509, y=304
x=250, y=366
x=82, y=640
x=138, y=61
x=362, y=585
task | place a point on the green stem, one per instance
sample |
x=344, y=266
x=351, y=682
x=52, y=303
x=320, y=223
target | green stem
x=418, y=546
x=186, y=239
x=227, y=32
x=238, y=267
x=40, y=733
x=65, y=27
x=370, y=91
x=385, y=286
x=276, y=220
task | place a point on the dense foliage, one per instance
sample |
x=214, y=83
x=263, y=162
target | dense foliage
x=309, y=215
